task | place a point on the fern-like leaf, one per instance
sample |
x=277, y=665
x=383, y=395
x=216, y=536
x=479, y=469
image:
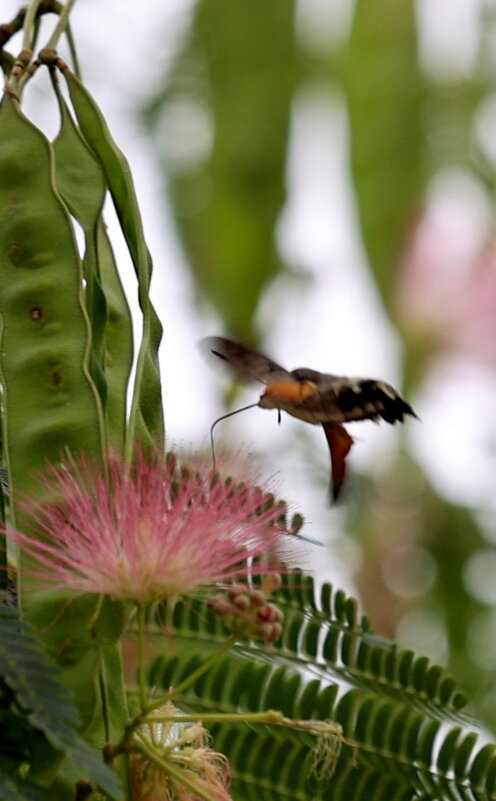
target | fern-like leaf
x=34, y=698
x=405, y=735
x=324, y=635
x=388, y=749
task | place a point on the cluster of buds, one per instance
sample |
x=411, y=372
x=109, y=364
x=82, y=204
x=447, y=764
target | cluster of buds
x=246, y=612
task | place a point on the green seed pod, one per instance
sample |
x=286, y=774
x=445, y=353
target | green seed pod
x=50, y=403
x=81, y=183
x=118, y=341
x=146, y=417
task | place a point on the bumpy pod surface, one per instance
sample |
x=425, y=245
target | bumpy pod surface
x=146, y=423
x=81, y=183
x=50, y=403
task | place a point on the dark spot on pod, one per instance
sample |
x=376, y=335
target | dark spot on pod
x=56, y=377
x=35, y=314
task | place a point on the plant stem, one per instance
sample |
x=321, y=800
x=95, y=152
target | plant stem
x=141, y=657
x=61, y=25
x=146, y=708
x=17, y=82
x=96, y=614
x=183, y=685
x=271, y=717
x=72, y=49
x=29, y=20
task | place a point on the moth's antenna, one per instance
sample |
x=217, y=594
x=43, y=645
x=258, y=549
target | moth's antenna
x=229, y=414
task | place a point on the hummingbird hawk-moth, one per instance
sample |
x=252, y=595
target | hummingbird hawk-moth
x=318, y=398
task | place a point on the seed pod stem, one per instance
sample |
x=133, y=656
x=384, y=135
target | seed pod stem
x=29, y=24
x=62, y=24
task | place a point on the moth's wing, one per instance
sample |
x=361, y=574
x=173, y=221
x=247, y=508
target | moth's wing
x=364, y=398
x=248, y=364
x=339, y=442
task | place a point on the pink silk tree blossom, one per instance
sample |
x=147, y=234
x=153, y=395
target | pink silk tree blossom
x=446, y=295
x=152, y=531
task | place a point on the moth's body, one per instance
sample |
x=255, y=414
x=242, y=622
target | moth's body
x=317, y=398
x=334, y=399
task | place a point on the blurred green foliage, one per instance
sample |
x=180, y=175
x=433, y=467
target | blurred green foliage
x=384, y=92
x=237, y=73
x=237, y=70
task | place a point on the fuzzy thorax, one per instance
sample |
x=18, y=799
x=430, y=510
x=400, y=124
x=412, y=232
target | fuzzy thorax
x=282, y=393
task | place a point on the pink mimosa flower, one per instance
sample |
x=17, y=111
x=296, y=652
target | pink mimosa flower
x=153, y=531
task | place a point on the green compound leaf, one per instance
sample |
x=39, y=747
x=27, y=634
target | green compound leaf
x=405, y=736
x=39, y=698
x=385, y=744
x=146, y=418
x=325, y=636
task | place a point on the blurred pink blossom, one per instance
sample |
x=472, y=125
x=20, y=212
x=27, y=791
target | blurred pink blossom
x=476, y=331
x=447, y=291
x=152, y=531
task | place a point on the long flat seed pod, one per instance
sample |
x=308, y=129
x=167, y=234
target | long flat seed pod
x=146, y=418
x=50, y=403
x=81, y=182
x=118, y=340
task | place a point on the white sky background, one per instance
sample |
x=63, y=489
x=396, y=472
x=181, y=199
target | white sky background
x=332, y=322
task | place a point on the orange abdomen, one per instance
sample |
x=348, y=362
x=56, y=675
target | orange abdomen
x=289, y=392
